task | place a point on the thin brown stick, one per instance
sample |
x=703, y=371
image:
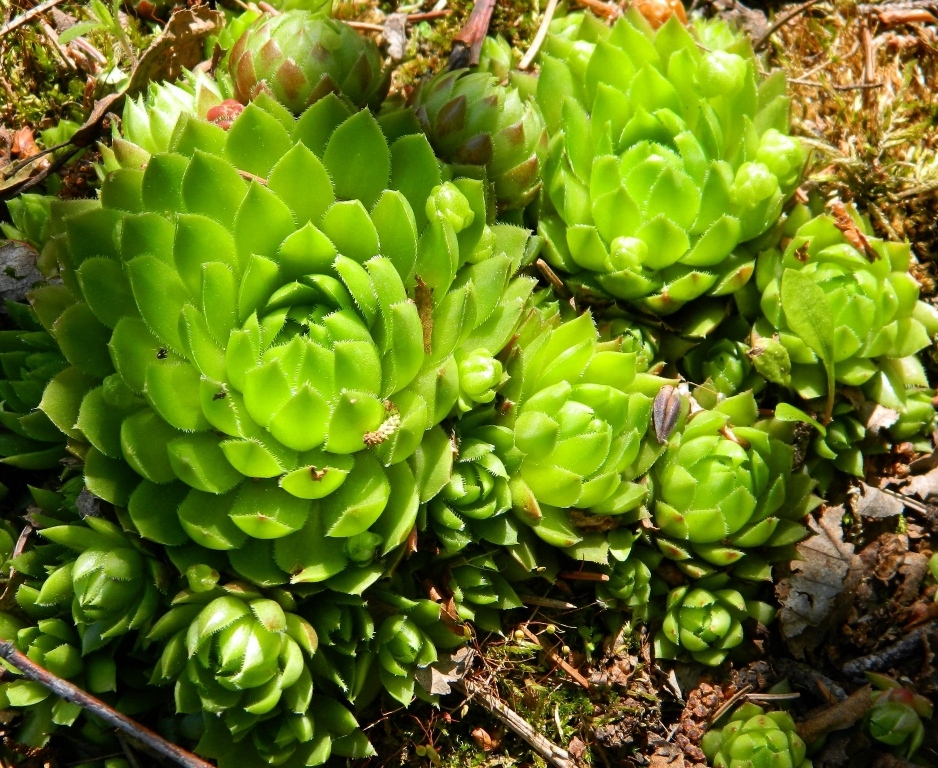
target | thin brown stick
x=582, y=576
x=552, y=754
x=76, y=695
x=547, y=602
x=781, y=21
x=557, y=659
x=540, y=37
x=31, y=14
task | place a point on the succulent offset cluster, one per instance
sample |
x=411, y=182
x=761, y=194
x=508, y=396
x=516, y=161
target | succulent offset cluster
x=328, y=423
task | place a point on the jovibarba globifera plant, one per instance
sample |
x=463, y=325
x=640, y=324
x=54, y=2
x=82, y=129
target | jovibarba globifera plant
x=669, y=154
x=305, y=323
x=725, y=493
x=756, y=737
x=471, y=119
x=846, y=311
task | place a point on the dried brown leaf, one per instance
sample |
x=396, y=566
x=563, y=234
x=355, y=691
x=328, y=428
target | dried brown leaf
x=875, y=504
x=821, y=585
x=438, y=678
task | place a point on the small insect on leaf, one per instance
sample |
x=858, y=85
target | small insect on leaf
x=665, y=412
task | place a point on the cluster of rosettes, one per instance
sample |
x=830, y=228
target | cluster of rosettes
x=671, y=154
x=291, y=344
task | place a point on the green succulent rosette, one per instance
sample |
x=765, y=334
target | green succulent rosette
x=477, y=580
x=579, y=413
x=753, y=737
x=896, y=715
x=724, y=487
x=723, y=363
x=346, y=630
x=670, y=155
x=409, y=640
x=55, y=645
x=30, y=215
x=243, y=661
x=704, y=621
x=149, y=120
x=29, y=358
x=474, y=504
x=471, y=119
x=300, y=56
x=633, y=582
x=265, y=327
x=867, y=302
x=112, y=586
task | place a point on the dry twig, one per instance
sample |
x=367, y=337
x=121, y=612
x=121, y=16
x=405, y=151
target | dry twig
x=31, y=14
x=552, y=754
x=76, y=695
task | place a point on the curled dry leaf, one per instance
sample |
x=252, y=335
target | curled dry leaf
x=821, y=585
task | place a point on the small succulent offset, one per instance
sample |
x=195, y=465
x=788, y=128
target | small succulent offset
x=243, y=658
x=895, y=717
x=471, y=119
x=112, y=586
x=840, y=306
x=756, y=739
x=671, y=153
x=299, y=57
x=704, y=620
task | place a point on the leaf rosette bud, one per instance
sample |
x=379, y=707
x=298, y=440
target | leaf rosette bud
x=300, y=56
x=895, y=717
x=633, y=582
x=671, y=154
x=471, y=119
x=112, y=586
x=753, y=737
x=474, y=503
x=724, y=487
x=226, y=315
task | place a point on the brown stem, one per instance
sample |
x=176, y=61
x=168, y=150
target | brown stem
x=76, y=695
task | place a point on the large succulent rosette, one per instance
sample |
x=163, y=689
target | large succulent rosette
x=753, y=737
x=263, y=325
x=671, y=153
x=724, y=487
x=471, y=119
x=867, y=291
x=300, y=56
